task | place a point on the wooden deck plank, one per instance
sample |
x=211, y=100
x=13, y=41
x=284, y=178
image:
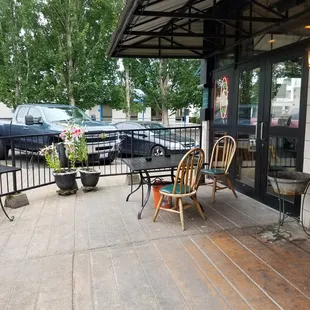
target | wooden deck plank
x=104, y=285
x=256, y=210
x=234, y=300
x=166, y=291
x=195, y=286
x=238, y=279
x=135, y=291
x=294, y=254
x=278, y=288
x=240, y=219
x=216, y=217
x=275, y=261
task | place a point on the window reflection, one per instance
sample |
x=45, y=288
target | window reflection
x=281, y=156
x=246, y=159
x=248, y=97
x=285, y=93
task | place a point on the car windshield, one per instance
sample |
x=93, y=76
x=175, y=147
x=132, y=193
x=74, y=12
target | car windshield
x=157, y=126
x=64, y=114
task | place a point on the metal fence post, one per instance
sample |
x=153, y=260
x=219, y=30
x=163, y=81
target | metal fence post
x=13, y=165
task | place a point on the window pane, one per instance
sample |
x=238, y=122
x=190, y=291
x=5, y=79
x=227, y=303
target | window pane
x=35, y=113
x=248, y=97
x=285, y=93
x=221, y=100
x=281, y=157
x=21, y=115
x=246, y=159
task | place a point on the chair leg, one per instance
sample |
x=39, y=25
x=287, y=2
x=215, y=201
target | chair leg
x=181, y=213
x=230, y=185
x=197, y=204
x=176, y=205
x=214, y=189
x=158, y=207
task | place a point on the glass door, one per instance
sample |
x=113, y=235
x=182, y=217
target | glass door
x=247, y=161
x=236, y=103
x=282, y=129
x=263, y=106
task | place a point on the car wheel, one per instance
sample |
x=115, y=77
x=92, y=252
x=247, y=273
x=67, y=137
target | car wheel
x=158, y=150
x=4, y=150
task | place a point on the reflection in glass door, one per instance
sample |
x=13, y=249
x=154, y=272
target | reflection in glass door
x=283, y=135
x=248, y=97
x=248, y=100
x=285, y=93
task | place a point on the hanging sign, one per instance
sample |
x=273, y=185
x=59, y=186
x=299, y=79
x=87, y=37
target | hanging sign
x=224, y=97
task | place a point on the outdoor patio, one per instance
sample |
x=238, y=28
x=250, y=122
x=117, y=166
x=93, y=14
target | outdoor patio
x=89, y=251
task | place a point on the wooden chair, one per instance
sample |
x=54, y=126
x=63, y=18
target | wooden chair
x=185, y=184
x=222, y=154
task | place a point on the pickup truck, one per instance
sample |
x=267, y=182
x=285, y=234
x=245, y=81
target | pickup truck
x=51, y=119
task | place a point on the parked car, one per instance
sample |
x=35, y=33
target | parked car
x=152, y=139
x=38, y=119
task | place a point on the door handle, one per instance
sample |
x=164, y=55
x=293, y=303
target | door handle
x=261, y=130
x=25, y=128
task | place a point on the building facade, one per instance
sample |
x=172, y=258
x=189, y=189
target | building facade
x=254, y=77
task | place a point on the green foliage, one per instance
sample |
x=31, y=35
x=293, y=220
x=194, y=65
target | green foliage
x=249, y=87
x=166, y=83
x=55, y=51
x=51, y=156
x=81, y=150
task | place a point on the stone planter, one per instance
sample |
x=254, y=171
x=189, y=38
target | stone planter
x=89, y=178
x=66, y=182
x=289, y=183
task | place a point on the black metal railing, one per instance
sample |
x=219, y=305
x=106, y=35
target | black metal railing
x=105, y=148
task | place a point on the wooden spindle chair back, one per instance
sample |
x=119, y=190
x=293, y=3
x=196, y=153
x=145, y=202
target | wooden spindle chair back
x=223, y=152
x=188, y=171
x=185, y=185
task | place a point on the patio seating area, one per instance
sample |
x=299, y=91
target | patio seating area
x=89, y=251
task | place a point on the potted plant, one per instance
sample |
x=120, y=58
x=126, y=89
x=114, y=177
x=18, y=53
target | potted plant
x=64, y=178
x=89, y=175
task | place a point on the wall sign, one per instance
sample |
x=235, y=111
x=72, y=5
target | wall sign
x=221, y=99
x=224, y=97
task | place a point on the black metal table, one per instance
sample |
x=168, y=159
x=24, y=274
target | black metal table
x=149, y=170
x=3, y=170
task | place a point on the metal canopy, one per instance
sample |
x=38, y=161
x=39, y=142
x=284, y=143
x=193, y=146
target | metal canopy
x=203, y=28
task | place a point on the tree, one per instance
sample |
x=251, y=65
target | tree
x=55, y=51
x=78, y=33
x=169, y=84
x=16, y=43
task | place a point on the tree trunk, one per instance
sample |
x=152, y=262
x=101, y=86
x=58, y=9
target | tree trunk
x=15, y=56
x=165, y=116
x=127, y=90
x=164, y=78
x=17, y=92
x=70, y=63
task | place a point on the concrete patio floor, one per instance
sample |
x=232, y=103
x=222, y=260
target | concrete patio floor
x=89, y=251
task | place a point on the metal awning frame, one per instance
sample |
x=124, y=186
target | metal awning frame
x=179, y=23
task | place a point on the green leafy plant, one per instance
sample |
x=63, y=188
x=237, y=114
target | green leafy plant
x=75, y=144
x=51, y=156
x=81, y=150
